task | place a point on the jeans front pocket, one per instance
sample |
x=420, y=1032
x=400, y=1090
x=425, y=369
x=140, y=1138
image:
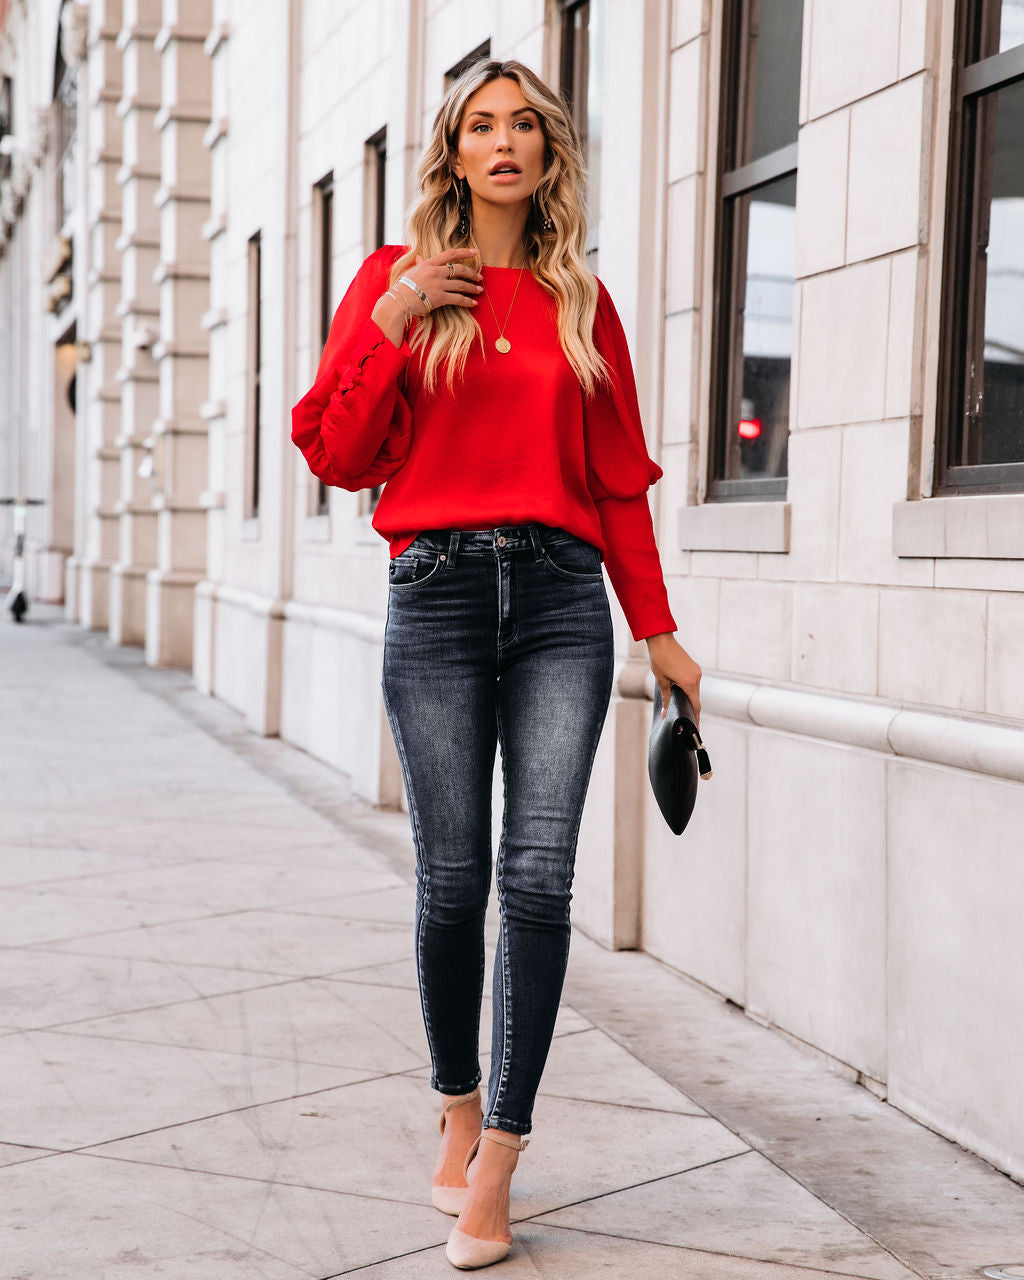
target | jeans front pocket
x=413, y=569
x=574, y=560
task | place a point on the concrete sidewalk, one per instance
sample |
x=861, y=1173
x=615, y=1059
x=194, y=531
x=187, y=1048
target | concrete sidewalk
x=212, y=1063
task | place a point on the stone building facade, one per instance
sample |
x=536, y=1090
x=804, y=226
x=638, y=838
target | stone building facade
x=787, y=203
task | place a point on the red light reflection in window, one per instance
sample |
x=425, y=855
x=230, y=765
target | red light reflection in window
x=750, y=428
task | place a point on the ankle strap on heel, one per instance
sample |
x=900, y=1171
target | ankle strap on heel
x=514, y=1140
x=457, y=1102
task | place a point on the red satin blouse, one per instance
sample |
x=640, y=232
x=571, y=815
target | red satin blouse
x=516, y=442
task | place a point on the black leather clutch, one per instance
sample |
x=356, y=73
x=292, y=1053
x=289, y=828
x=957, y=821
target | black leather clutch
x=675, y=756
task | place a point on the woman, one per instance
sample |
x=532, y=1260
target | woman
x=509, y=437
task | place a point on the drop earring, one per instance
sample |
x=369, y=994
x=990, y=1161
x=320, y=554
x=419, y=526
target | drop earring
x=545, y=221
x=463, y=208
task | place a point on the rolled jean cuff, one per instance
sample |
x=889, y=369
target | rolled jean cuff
x=453, y=1089
x=495, y=1121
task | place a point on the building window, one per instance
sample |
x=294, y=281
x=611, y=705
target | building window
x=580, y=83
x=376, y=172
x=375, y=187
x=254, y=371
x=755, y=247
x=323, y=289
x=981, y=430
x=66, y=119
x=479, y=54
x=6, y=122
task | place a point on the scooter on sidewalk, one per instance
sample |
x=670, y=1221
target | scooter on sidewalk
x=17, y=597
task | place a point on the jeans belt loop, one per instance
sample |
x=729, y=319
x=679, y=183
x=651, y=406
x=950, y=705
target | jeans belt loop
x=453, y=549
x=538, y=549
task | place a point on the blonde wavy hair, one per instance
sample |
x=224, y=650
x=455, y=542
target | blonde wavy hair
x=555, y=256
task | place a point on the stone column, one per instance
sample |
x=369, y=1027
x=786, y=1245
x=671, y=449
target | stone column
x=214, y=410
x=99, y=393
x=178, y=439
x=139, y=310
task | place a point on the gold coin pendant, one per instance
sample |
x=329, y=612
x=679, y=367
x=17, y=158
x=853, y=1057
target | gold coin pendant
x=503, y=345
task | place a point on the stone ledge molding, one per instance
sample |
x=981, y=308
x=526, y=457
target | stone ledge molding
x=174, y=577
x=370, y=630
x=135, y=307
x=975, y=744
x=171, y=427
x=171, y=271
x=211, y=409
x=215, y=318
x=735, y=526
x=105, y=93
x=212, y=500
x=125, y=508
x=128, y=172
x=260, y=605
x=219, y=33
x=135, y=240
x=214, y=227
x=217, y=131
x=100, y=31
x=186, y=34
x=125, y=374
x=125, y=105
x=164, y=502
x=181, y=195
x=986, y=526
x=179, y=114
x=106, y=215
x=181, y=350
x=127, y=34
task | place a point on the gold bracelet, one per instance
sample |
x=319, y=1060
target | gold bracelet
x=406, y=310
x=411, y=284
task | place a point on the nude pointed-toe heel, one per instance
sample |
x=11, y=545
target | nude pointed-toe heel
x=451, y=1199
x=468, y=1252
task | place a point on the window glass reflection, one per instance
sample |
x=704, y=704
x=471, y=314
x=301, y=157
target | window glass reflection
x=775, y=34
x=766, y=244
x=996, y=400
x=1011, y=25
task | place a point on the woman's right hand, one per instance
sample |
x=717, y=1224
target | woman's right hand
x=443, y=290
x=431, y=274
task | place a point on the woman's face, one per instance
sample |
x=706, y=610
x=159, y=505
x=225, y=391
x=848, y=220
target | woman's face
x=499, y=131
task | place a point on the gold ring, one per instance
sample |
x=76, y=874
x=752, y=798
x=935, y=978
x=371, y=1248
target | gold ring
x=451, y=270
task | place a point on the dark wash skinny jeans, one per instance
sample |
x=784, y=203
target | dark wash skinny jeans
x=501, y=636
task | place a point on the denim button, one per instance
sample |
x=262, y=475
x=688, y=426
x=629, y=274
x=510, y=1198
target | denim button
x=501, y=542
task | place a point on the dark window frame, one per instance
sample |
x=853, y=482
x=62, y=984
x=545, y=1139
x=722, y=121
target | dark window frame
x=6, y=120
x=254, y=370
x=574, y=84
x=734, y=183
x=480, y=54
x=963, y=313
x=323, y=258
x=375, y=151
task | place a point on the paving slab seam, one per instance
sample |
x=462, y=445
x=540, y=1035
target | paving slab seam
x=150, y=1008
x=630, y=1043
x=248, y=1054
x=625, y=1106
x=55, y=949
x=51, y=944
x=632, y=1186
x=794, y=1178
x=240, y=1177
x=815, y=1269
x=89, y=1148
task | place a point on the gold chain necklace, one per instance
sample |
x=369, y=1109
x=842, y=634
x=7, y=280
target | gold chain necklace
x=501, y=342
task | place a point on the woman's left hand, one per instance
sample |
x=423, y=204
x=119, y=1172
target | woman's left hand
x=671, y=665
